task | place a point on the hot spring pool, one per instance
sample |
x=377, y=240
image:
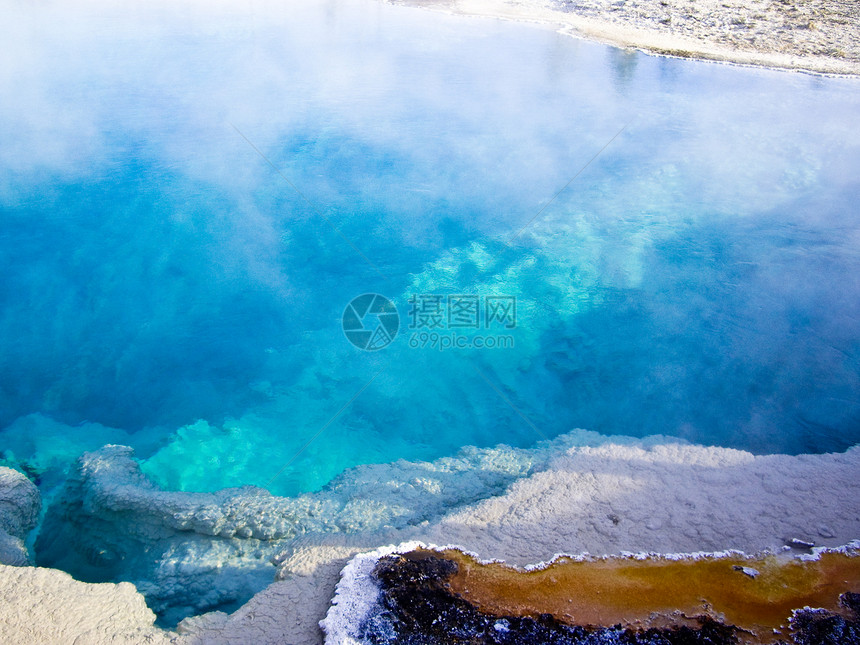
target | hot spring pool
x=191, y=199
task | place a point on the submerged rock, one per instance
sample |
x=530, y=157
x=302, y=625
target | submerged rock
x=180, y=549
x=20, y=504
x=194, y=552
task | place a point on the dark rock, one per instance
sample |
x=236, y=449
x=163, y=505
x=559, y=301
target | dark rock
x=821, y=627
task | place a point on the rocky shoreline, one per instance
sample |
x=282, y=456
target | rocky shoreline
x=820, y=36
x=199, y=554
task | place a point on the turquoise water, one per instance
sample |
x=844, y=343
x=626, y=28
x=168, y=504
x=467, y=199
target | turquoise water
x=164, y=287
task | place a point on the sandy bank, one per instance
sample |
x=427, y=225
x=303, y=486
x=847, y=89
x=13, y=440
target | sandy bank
x=820, y=36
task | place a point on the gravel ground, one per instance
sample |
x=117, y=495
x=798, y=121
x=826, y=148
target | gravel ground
x=800, y=27
x=812, y=35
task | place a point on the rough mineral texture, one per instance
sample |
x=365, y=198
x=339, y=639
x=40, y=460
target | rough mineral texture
x=45, y=606
x=195, y=552
x=20, y=504
x=189, y=553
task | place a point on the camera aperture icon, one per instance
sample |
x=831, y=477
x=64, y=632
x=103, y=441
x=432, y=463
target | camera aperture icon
x=370, y=321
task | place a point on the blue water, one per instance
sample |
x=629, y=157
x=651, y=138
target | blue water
x=163, y=286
